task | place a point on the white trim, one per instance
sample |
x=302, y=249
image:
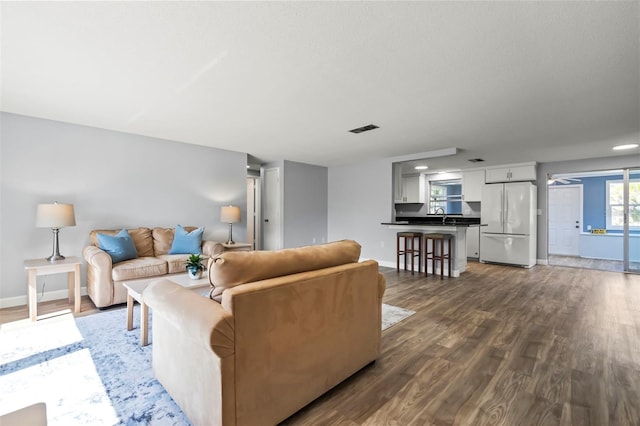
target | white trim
x=10, y=302
x=384, y=263
x=543, y=262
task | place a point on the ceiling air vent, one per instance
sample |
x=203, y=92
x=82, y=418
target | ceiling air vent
x=476, y=160
x=364, y=129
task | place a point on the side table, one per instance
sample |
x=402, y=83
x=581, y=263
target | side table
x=35, y=267
x=237, y=247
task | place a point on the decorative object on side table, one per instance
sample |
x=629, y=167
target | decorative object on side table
x=194, y=266
x=55, y=216
x=230, y=215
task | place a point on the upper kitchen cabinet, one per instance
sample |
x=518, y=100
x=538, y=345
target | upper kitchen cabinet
x=472, y=181
x=511, y=173
x=411, y=189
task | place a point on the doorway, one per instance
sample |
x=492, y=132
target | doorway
x=271, y=226
x=594, y=220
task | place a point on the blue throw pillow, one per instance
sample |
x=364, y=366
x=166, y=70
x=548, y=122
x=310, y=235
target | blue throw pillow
x=120, y=246
x=187, y=242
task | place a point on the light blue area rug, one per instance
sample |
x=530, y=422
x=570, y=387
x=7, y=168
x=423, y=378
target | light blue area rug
x=92, y=371
x=88, y=371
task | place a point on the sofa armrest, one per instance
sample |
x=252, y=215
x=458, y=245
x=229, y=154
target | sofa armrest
x=99, y=276
x=198, y=318
x=193, y=352
x=97, y=257
x=211, y=248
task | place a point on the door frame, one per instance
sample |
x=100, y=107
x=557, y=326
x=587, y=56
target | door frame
x=626, y=173
x=254, y=221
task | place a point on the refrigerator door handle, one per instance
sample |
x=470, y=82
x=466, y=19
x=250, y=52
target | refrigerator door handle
x=502, y=208
x=502, y=236
x=506, y=210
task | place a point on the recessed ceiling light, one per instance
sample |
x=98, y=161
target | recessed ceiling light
x=421, y=167
x=626, y=146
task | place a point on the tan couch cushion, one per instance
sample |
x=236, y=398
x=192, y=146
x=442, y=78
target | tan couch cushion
x=141, y=267
x=175, y=262
x=142, y=239
x=230, y=269
x=163, y=238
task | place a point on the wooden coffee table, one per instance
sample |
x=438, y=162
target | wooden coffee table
x=135, y=289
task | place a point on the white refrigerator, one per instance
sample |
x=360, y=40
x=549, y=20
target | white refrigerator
x=509, y=223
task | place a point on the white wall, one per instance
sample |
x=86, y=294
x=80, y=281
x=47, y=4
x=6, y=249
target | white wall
x=360, y=199
x=114, y=180
x=305, y=204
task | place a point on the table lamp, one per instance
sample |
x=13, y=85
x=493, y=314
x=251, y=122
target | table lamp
x=55, y=216
x=230, y=215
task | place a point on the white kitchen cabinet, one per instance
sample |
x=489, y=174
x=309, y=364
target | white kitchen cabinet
x=511, y=173
x=473, y=242
x=411, y=189
x=472, y=182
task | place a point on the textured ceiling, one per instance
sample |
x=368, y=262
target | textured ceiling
x=505, y=81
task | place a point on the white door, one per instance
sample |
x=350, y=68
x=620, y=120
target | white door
x=564, y=219
x=272, y=217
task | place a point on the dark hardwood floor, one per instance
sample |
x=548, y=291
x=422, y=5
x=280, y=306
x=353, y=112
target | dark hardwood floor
x=497, y=346
x=500, y=346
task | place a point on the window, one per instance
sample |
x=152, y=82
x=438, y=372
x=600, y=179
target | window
x=615, y=204
x=446, y=195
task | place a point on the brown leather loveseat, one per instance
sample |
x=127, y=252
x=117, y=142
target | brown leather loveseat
x=291, y=324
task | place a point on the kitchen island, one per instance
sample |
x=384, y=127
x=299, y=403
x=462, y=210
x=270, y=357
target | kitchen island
x=454, y=225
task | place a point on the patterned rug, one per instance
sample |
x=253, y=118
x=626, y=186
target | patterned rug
x=391, y=315
x=91, y=371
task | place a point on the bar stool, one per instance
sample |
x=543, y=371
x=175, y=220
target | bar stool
x=409, y=251
x=434, y=255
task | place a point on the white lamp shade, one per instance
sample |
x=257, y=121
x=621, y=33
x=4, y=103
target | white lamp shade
x=230, y=214
x=55, y=215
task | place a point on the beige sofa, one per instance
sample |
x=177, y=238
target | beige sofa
x=291, y=325
x=104, y=279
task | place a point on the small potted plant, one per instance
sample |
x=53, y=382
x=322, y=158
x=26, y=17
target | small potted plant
x=194, y=266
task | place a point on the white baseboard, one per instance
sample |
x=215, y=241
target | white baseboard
x=386, y=264
x=544, y=262
x=9, y=302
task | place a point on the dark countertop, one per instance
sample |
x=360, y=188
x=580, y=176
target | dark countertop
x=459, y=221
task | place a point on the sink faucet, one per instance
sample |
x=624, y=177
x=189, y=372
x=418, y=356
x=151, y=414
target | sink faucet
x=444, y=215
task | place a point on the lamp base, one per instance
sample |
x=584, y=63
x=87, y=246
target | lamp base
x=55, y=257
x=55, y=254
x=231, y=235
